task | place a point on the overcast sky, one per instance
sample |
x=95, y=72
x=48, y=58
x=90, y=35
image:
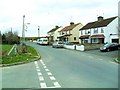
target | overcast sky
x=49, y=13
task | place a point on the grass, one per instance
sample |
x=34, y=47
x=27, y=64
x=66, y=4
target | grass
x=22, y=57
x=6, y=47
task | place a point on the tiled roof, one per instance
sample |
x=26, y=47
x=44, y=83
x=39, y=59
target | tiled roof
x=54, y=29
x=97, y=24
x=69, y=27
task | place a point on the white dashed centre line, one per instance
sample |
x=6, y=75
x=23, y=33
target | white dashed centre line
x=44, y=66
x=49, y=73
x=52, y=78
x=47, y=70
x=43, y=85
x=56, y=84
x=41, y=78
x=38, y=70
x=39, y=73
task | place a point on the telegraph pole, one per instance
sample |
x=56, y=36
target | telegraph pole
x=23, y=29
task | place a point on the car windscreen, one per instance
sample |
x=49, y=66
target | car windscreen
x=60, y=43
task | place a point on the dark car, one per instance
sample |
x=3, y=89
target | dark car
x=110, y=47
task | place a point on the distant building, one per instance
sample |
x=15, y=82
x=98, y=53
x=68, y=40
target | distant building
x=70, y=33
x=100, y=31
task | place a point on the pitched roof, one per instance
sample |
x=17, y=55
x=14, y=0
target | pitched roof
x=97, y=24
x=54, y=29
x=69, y=27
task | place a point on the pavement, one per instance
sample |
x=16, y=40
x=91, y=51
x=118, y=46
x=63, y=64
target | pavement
x=62, y=68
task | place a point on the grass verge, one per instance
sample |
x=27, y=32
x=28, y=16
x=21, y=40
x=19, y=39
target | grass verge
x=23, y=57
x=117, y=60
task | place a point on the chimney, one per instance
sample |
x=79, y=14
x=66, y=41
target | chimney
x=71, y=23
x=100, y=18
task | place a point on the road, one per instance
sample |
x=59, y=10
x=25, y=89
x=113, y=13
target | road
x=62, y=68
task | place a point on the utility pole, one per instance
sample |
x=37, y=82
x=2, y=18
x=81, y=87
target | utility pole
x=23, y=29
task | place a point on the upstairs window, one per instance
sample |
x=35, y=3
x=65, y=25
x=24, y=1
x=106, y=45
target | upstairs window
x=81, y=32
x=96, y=30
x=102, y=31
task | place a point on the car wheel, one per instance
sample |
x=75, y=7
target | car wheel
x=108, y=49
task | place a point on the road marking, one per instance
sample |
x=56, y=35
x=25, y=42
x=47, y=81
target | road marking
x=56, y=84
x=35, y=62
x=49, y=73
x=47, y=70
x=41, y=78
x=113, y=62
x=37, y=67
x=39, y=73
x=52, y=78
x=38, y=70
x=43, y=85
x=44, y=66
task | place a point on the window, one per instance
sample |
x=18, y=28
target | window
x=81, y=32
x=75, y=38
x=96, y=30
x=102, y=31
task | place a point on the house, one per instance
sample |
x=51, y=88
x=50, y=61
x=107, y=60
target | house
x=70, y=33
x=100, y=31
x=54, y=33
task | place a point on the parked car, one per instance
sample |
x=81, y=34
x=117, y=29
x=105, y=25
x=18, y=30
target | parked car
x=110, y=47
x=58, y=44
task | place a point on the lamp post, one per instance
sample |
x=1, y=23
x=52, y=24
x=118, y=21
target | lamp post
x=38, y=31
x=23, y=29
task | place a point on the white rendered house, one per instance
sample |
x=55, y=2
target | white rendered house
x=100, y=31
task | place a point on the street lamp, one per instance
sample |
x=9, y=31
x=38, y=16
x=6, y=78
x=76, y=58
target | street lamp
x=24, y=28
x=38, y=31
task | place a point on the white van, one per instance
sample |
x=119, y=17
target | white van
x=43, y=41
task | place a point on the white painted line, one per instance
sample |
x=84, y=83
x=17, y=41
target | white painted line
x=43, y=64
x=49, y=73
x=47, y=70
x=50, y=87
x=43, y=85
x=44, y=67
x=114, y=63
x=56, y=84
x=52, y=78
x=37, y=67
x=41, y=78
x=39, y=73
x=35, y=62
x=41, y=61
x=38, y=70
